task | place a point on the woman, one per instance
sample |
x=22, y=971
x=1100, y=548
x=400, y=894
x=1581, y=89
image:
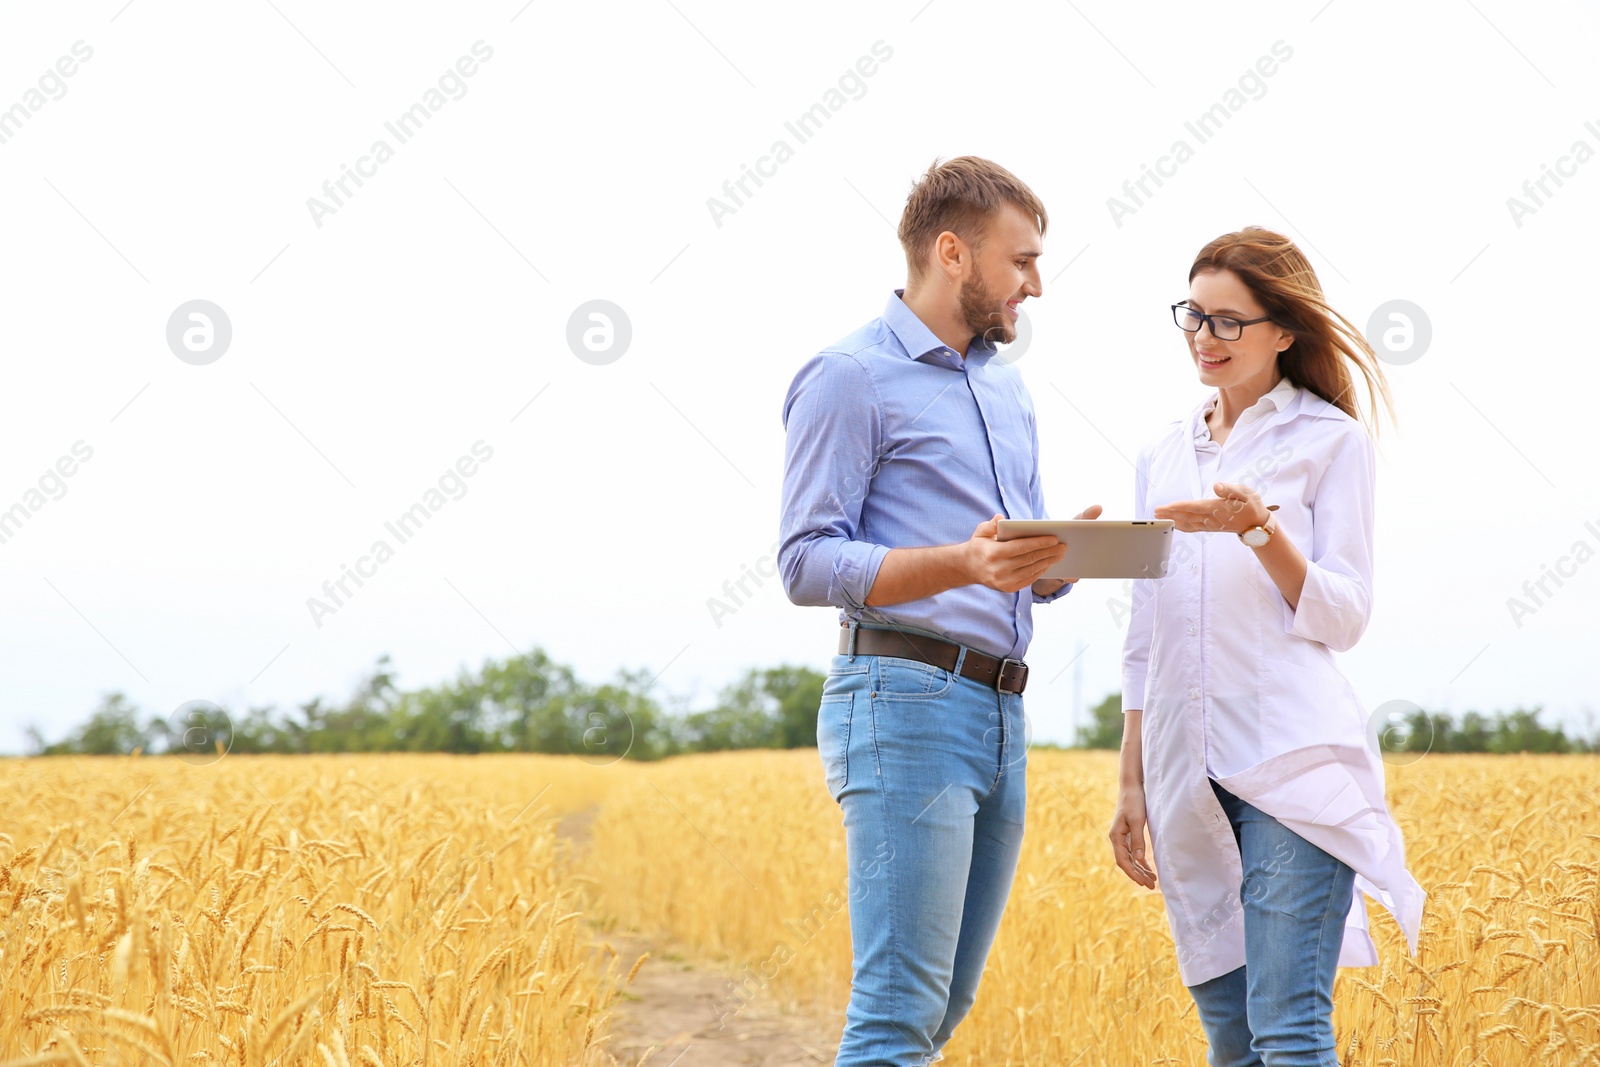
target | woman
x=1245, y=751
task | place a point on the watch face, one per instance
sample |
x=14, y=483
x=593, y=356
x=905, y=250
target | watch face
x=1255, y=537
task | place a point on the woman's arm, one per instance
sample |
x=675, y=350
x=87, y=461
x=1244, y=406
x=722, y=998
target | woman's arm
x=1335, y=603
x=1327, y=591
x=1282, y=560
x=1129, y=823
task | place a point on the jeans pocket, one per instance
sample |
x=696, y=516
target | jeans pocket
x=909, y=679
x=833, y=740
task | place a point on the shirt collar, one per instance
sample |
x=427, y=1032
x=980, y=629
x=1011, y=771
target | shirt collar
x=918, y=341
x=1273, y=401
x=1279, y=395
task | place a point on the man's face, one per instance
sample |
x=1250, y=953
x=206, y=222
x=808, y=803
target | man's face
x=1005, y=272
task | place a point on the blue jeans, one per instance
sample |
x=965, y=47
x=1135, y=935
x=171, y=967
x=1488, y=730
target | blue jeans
x=929, y=769
x=1277, y=1010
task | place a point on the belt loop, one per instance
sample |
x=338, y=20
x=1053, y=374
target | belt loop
x=854, y=626
x=961, y=658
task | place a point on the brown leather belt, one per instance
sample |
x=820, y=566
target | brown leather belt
x=1004, y=675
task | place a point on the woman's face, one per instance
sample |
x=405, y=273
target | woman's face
x=1251, y=361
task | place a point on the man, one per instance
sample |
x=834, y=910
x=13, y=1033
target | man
x=902, y=438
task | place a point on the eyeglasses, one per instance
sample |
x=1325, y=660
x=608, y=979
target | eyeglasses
x=1223, y=328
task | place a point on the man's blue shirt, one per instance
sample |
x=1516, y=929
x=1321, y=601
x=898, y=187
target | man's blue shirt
x=894, y=441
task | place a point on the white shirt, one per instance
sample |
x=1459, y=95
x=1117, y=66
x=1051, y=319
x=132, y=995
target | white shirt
x=1235, y=684
x=1208, y=453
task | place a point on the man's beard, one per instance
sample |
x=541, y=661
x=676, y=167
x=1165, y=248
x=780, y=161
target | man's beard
x=984, y=314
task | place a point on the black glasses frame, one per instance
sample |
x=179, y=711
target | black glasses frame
x=1212, y=320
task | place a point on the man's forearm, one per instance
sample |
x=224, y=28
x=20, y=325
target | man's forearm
x=913, y=573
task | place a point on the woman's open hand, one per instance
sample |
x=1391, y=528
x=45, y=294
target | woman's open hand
x=1234, y=509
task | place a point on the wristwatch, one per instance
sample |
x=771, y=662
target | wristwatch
x=1258, y=536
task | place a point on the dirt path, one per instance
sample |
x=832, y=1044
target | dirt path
x=669, y=1017
x=673, y=1014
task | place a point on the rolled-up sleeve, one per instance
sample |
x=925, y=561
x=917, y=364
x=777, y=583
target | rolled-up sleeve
x=833, y=437
x=1336, y=603
x=1141, y=617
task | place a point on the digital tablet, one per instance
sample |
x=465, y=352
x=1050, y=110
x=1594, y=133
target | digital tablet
x=1100, y=548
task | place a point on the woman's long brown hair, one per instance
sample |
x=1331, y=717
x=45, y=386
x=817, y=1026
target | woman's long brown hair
x=1326, y=344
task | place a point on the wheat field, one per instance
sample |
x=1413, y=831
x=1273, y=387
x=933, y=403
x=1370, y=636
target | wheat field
x=413, y=909
x=328, y=910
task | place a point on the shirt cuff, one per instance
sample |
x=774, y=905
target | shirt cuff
x=1324, y=612
x=855, y=568
x=1133, y=686
x=1066, y=588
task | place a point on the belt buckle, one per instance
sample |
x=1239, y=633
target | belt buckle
x=1012, y=666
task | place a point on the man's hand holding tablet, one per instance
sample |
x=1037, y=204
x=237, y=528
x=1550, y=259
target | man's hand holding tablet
x=1016, y=562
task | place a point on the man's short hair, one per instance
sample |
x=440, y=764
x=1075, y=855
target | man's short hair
x=960, y=195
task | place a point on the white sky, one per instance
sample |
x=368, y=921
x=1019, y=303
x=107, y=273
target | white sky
x=370, y=353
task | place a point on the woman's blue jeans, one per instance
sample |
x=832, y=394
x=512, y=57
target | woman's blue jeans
x=1277, y=1010
x=929, y=770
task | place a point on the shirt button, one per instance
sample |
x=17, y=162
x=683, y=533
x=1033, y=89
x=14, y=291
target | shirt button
x=1194, y=568
x=1191, y=630
x=1194, y=694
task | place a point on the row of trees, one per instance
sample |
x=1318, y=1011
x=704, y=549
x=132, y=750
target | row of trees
x=532, y=704
x=1420, y=731
x=522, y=704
